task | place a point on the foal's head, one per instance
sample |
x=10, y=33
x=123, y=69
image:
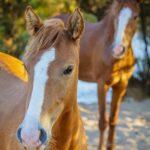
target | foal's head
x=126, y=14
x=52, y=62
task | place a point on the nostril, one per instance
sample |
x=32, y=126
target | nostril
x=43, y=136
x=123, y=49
x=19, y=134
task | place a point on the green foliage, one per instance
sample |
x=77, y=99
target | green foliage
x=13, y=35
x=90, y=17
x=95, y=7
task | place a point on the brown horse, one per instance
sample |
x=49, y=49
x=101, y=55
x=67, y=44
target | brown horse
x=106, y=57
x=52, y=119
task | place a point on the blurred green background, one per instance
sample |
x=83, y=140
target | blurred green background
x=13, y=35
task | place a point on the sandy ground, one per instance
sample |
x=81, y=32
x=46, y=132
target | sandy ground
x=133, y=130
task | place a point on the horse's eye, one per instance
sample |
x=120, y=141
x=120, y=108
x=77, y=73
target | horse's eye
x=68, y=70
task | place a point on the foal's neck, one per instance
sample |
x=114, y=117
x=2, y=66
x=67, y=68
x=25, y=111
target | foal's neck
x=66, y=128
x=68, y=124
x=106, y=37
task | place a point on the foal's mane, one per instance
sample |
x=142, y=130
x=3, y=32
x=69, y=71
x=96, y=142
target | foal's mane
x=45, y=37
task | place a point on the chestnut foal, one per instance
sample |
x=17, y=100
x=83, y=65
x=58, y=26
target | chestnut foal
x=106, y=57
x=52, y=120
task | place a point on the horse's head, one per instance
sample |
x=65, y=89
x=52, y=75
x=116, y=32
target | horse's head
x=52, y=62
x=126, y=14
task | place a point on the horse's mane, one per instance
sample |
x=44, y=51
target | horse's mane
x=44, y=38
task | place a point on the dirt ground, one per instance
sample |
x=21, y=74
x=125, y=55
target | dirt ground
x=133, y=130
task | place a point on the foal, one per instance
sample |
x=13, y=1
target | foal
x=106, y=57
x=52, y=120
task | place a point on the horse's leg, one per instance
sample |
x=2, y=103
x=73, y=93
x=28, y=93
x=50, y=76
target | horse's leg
x=119, y=91
x=102, y=89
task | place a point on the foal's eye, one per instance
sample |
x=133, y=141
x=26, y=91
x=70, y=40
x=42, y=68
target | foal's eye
x=135, y=17
x=68, y=70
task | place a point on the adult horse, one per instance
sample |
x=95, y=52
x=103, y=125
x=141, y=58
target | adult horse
x=106, y=58
x=52, y=119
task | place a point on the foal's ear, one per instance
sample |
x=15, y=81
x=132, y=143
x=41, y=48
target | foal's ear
x=75, y=24
x=33, y=21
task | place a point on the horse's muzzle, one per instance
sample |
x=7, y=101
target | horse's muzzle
x=42, y=137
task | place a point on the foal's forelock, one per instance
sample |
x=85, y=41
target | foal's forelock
x=45, y=37
x=122, y=22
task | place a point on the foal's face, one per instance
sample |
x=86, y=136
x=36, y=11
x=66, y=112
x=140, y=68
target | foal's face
x=53, y=71
x=126, y=24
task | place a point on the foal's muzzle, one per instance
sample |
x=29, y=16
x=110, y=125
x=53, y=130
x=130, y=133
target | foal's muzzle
x=118, y=51
x=42, y=137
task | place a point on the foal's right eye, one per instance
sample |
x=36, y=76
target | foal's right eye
x=68, y=70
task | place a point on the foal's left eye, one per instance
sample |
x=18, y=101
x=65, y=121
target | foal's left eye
x=135, y=17
x=68, y=70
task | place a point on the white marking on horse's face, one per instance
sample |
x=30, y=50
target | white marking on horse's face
x=123, y=19
x=32, y=117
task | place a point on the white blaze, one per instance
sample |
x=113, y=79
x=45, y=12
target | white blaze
x=124, y=16
x=37, y=97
